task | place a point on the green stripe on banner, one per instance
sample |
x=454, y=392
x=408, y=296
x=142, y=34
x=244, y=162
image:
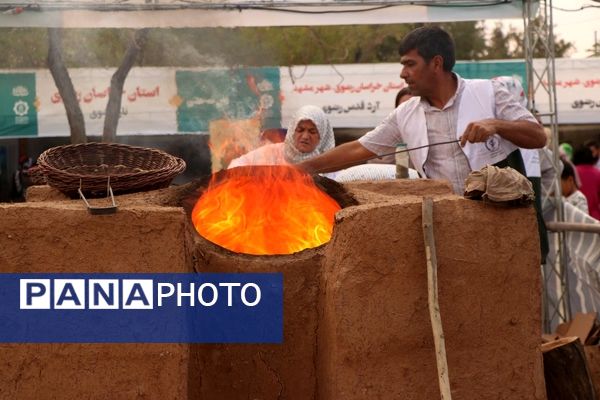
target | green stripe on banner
x=18, y=114
x=487, y=70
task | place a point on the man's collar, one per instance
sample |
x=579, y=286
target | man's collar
x=460, y=84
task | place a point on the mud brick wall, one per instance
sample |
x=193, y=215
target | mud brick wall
x=356, y=319
x=64, y=237
x=375, y=318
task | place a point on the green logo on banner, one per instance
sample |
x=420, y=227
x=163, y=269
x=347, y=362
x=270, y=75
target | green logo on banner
x=18, y=115
x=228, y=94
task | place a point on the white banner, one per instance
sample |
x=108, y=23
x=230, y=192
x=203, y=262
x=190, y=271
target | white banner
x=577, y=90
x=148, y=105
x=361, y=95
x=353, y=96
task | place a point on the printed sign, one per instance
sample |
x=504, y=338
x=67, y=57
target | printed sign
x=168, y=100
x=148, y=102
x=362, y=95
x=237, y=94
x=18, y=115
x=577, y=91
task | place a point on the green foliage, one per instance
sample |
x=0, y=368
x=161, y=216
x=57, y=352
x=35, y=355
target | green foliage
x=511, y=44
x=191, y=47
x=23, y=48
x=469, y=38
x=498, y=45
x=595, y=50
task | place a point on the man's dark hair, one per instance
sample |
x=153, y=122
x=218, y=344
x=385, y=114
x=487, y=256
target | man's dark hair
x=405, y=91
x=592, y=143
x=583, y=156
x=430, y=41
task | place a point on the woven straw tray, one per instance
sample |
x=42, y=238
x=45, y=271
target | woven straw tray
x=89, y=165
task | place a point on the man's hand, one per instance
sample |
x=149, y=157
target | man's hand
x=522, y=133
x=478, y=131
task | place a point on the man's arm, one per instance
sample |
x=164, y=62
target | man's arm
x=340, y=157
x=522, y=133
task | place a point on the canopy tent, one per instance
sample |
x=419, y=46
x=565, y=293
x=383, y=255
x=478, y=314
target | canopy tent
x=235, y=13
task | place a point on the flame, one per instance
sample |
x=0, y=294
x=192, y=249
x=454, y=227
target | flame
x=230, y=139
x=265, y=210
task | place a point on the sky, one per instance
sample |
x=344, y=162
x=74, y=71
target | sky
x=576, y=27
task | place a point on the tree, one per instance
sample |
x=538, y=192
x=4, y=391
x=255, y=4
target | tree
x=255, y=46
x=514, y=43
x=23, y=47
x=65, y=87
x=113, y=107
x=497, y=48
x=469, y=38
x=595, y=50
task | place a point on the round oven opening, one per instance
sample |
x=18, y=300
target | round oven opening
x=266, y=210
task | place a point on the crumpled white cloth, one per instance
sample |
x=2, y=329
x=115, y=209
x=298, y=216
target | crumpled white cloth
x=371, y=172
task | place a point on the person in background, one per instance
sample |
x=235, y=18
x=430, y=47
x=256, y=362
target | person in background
x=309, y=134
x=570, y=188
x=565, y=153
x=566, y=150
x=590, y=178
x=21, y=180
x=485, y=118
x=402, y=96
x=529, y=162
x=595, y=148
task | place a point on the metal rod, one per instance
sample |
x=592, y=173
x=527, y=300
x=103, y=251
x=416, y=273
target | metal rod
x=344, y=165
x=555, y=226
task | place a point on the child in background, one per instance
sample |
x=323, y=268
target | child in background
x=566, y=150
x=570, y=189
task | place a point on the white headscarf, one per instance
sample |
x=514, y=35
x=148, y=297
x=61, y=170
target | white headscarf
x=326, y=137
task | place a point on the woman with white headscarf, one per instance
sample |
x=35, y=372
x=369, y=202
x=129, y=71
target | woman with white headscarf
x=309, y=134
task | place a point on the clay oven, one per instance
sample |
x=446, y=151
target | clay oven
x=356, y=322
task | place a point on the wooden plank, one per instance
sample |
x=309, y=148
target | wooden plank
x=434, y=307
x=566, y=371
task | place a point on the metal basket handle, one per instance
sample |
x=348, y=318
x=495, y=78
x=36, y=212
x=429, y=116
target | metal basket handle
x=100, y=210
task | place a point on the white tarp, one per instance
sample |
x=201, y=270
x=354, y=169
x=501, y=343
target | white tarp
x=164, y=14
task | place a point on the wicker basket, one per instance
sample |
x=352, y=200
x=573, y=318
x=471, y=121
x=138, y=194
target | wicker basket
x=130, y=168
x=36, y=175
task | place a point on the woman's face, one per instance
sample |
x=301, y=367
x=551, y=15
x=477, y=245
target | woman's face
x=306, y=136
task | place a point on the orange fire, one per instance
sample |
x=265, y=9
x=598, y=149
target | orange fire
x=265, y=210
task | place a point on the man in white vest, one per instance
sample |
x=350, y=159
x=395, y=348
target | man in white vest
x=486, y=121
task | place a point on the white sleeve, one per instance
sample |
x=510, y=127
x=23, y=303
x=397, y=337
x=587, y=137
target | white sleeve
x=384, y=138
